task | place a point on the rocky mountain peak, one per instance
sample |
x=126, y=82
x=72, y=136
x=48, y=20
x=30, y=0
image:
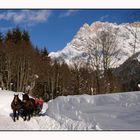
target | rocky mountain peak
x=76, y=50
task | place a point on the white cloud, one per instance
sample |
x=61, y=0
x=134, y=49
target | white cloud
x=68, y=13
x=103, y=17
x=28, y=17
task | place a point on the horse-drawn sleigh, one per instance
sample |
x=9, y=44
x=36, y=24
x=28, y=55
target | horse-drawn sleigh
x=27, y=107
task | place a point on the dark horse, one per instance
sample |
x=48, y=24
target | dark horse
x=16, y=105
x=28, y=106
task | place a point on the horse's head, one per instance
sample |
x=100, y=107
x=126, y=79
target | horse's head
x=25, y=97
x=16, y=98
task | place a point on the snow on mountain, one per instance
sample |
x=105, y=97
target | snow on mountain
x=76, y=50
x=138, y=57
x=119, y=111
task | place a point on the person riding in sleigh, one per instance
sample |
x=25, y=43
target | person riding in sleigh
x=39, y=105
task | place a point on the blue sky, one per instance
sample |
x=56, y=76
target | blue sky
x=53, y=29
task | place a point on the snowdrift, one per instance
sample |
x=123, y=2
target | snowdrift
x=119, y=111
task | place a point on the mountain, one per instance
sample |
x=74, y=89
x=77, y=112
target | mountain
x=127, y=35
x=129, y=73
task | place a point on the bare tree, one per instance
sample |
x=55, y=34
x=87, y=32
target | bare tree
x=134, y=28
x=94, y=60
x=103, y=53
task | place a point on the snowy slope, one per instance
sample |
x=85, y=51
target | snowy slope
x=120, y=111
x=76, y=50
x=36, y=123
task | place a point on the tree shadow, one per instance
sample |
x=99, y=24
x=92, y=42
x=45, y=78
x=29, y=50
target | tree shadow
x=11, y=115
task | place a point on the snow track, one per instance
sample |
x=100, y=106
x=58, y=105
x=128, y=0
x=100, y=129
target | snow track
x=120, y=111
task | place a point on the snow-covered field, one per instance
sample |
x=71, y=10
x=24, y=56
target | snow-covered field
x=120, y=111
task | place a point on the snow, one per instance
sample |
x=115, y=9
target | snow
x=118, y=111
x=36, y=123
x=138, y=58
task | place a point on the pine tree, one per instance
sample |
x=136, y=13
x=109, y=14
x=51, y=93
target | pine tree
x=26, y=37
x=8, y=36
x=16, y=35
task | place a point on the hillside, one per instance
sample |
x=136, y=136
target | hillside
x=129, y=73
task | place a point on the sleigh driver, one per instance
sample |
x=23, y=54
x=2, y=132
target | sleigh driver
x=39, y=105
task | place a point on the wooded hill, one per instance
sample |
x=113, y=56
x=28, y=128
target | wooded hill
x=27, y=68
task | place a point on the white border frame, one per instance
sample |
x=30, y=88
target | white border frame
x=66, y=4
x=70, y=4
